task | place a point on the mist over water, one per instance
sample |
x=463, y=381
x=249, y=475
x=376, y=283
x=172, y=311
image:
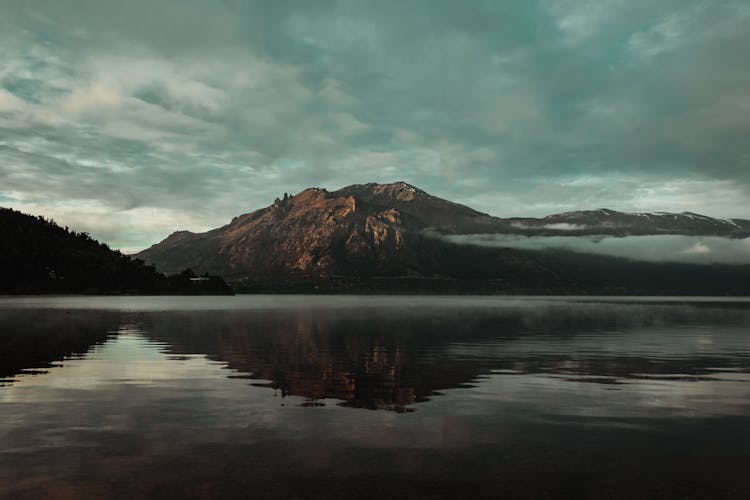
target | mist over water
x=341, y=397
x=656, y=248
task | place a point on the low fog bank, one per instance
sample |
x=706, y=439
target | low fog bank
x=656, y=248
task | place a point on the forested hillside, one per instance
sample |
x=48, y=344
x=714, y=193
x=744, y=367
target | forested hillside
x=39, y=256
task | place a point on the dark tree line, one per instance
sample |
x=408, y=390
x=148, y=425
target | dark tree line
x=39, y=256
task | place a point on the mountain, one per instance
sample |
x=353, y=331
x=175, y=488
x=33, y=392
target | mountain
x=388, y=236
x=358, y=231
x=38, y=256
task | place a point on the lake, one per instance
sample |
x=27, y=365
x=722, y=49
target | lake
x=374, y=396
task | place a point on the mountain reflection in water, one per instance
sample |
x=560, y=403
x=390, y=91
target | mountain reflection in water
x=392, y=358
x=132, y=394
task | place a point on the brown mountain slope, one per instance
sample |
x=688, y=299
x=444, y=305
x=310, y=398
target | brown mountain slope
x=361, y=230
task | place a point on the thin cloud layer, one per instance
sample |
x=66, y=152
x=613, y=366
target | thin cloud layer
x=657, y=248
x=198, y=111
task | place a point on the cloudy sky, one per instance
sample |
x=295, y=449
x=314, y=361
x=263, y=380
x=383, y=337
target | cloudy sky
x=133, y=119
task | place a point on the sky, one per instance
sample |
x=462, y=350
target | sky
x=134, y=119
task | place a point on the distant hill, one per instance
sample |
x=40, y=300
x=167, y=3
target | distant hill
x=387, y=237
x=38, y=256
x=613, y=223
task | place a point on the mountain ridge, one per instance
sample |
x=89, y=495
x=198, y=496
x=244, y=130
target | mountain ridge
x=601, y=221
x=388, y=231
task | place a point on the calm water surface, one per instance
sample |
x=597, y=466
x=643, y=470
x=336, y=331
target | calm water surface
x=364, y=397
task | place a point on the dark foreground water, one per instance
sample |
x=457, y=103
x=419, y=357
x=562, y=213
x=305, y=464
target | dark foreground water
x=374, y=397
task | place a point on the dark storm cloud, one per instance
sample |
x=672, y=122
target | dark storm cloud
x=138, y=118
